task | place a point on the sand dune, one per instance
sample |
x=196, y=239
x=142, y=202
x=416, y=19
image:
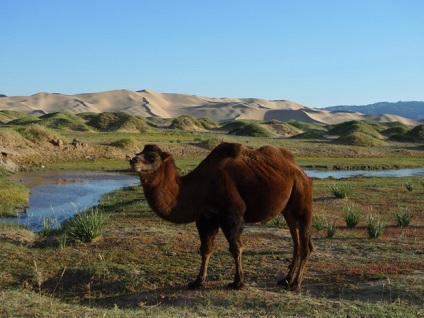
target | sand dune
x=150, y=103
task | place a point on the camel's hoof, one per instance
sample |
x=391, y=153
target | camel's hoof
x=236, y=286
x=196, y=285
x=285, y=283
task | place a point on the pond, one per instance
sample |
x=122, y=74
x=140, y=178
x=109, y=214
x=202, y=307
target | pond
x=59, y=195
x=340, y=174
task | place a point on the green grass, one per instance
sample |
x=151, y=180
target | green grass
x=13, y=196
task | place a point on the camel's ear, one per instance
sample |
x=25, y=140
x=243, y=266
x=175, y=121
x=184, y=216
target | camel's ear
x=165, y=156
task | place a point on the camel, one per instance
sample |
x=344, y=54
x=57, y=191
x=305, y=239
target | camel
x=232, y=186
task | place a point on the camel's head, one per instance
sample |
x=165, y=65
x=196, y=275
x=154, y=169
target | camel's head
x=149, y=160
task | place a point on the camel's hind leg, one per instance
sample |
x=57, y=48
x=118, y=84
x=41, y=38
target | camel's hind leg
x=207, y=229
x=302, y=248
x=305, y=253
x=298, y=214
x=288, y=280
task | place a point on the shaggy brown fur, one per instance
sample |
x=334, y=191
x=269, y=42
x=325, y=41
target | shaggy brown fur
x=231, y=186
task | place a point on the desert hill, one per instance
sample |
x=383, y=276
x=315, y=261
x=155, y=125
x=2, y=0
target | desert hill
x=148, y=103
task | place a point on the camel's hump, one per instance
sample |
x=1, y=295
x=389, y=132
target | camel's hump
x=228, y=149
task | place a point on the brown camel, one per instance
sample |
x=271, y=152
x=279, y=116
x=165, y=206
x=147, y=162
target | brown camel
x=231, y=186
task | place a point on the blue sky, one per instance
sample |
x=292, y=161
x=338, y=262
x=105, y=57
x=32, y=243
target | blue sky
x=316, y=53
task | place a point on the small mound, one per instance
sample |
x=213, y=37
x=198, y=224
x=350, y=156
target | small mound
x=416, y=133
x=282, y=129
x=22, y=121
x=119, y=122
x=37, y=133
x=64, y=121
x=359, y=139
x=125, y=143
x=208, y=123
x=308, y=135
x=356, y=126
x=18, y=236
x=307, y=126
x=87, y=116
x=8, y=115
x=187, y=122
x=240, y=128
x=398, y=130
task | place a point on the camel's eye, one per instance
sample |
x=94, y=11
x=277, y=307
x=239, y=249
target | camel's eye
x=152, y=157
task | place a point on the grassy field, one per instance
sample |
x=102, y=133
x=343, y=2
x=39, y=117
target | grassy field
x=140, y=266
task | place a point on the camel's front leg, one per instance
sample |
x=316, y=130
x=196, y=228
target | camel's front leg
x=207, y=229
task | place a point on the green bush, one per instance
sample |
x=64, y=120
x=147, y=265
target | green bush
x=403, y=217
x=279, y=221
x=341, y=191
x=375, y=226
x=409, y=186
x=331, y=230
x=86, y=226
x=319, y=222
x=352, y=215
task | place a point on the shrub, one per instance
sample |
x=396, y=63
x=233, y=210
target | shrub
x=341, y=191
x=352, y=215
x=86, y=226
x=125, y=143
x=319, y=222
x=375, y=226
x=331, y=230
x=279, y=221
x=49, y=225
x=403, y=217
x=409, y=186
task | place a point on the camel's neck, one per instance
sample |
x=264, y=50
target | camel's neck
x=165, y=192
